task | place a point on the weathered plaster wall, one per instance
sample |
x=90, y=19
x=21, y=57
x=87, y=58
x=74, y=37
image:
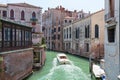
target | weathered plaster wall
x=17, y=64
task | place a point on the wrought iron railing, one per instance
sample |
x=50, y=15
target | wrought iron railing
x=110, y=16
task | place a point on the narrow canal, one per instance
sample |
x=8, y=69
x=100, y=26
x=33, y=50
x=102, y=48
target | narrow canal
x=78, y=70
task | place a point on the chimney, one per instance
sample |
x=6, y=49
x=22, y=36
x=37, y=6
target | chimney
x=60, y=7
x=48, y=8
x=75, y=11
x=89, y=12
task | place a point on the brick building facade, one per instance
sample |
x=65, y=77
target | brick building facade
x=16, y=52
x=21, y=32
x=53, y=20
x=87, y=36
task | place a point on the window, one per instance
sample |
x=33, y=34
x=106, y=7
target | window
x=22, y=15
x=7, y=37
x=65, y=21
x=4, y=13
x=54, y=29
x=67, y=33
x=96, y=31
x=77, y=33
x=87, y=32
x=20, y=37
x=54, y=37
x=111, y=34
x=17, y=37
x=58, y=36
x=33, y=29
x=33, y=15
x=70, y=32
x=87, y=47
x=26, y=38
x=70, y=21
x=64, y=33
x=12, y=14
x=80, y=16
x=13, y=37
x=58, y=28
x=23, y=37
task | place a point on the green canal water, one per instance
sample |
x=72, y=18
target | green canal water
x=78, y=70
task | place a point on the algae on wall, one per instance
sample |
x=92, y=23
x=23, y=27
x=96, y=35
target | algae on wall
x=1, y=60
x=0, y=34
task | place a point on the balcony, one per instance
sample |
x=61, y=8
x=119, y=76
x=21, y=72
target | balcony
x=110, y=17
x=33, y=21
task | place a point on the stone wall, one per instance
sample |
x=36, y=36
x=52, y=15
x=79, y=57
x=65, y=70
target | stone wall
x=17, y=64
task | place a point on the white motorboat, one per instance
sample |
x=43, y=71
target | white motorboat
x=62, y=59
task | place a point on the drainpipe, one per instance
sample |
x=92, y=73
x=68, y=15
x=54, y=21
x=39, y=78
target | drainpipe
x=119, y=36
x=119, y=41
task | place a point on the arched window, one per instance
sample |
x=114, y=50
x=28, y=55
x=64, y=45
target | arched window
x=87, y=31
x=70, y=33
x=33, y=15
x=96, y=31
x=77, y=33
x=11, y=14
x=67, y=33
x=22, y=15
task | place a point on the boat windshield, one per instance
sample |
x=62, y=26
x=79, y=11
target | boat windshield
x=63, y=57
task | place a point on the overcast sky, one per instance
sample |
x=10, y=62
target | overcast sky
x=86, y=5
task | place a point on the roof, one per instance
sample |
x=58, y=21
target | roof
x=24, y=5
x=67, y=17
x=5, y=20
x=97, y=12
x=3, y=5
x=88, y=16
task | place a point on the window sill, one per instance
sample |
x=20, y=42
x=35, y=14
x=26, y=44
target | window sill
x=23, y=19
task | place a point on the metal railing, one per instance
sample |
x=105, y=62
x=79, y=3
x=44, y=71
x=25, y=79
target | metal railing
x=110, y=16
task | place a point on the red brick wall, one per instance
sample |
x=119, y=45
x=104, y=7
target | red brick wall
x=17, y=64
x=97, y=50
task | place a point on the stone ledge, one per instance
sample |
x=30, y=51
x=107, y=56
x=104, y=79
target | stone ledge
x=20, y=50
